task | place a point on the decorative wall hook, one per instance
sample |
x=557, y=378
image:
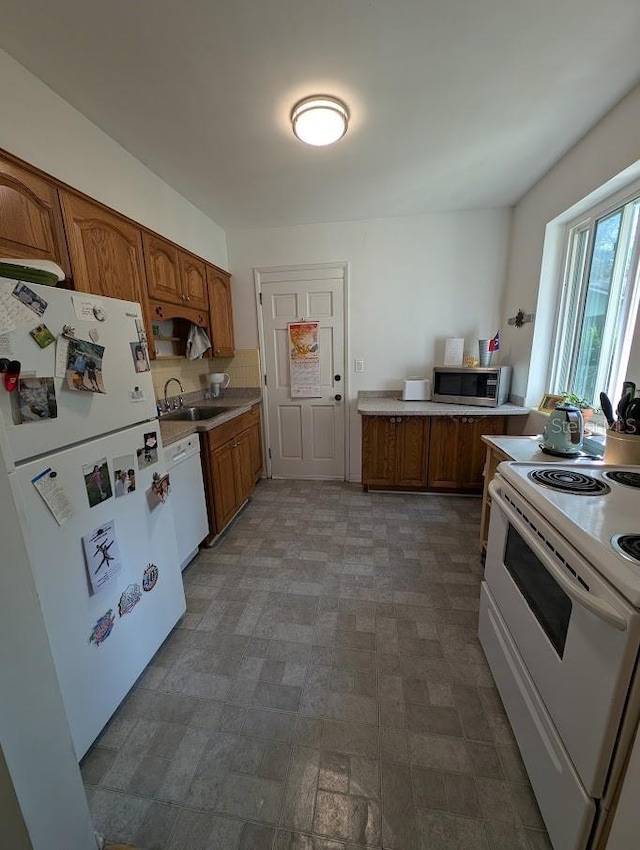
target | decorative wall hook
x=521, y=318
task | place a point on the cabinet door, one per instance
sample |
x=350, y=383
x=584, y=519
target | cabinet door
x=30, y=218
x=378, y=450
x=221, y=313
x=457, y=453
x=245, y=481
x=255, y=448
x=163, y=269
x=223, y=470
x=193, y=274
x=473, y=452
x=106, y=250
x=443, y=452
x=411, y=442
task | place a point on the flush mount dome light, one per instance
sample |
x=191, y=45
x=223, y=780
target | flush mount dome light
x=319, y=120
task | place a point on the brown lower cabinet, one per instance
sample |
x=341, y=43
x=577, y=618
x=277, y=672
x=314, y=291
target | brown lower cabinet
x=232, y=461
x=394, y=451
x=426, y=452
x=456, y=450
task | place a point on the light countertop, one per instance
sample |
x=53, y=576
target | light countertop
x=527, y=450
x=392, y=406
x=172, y=430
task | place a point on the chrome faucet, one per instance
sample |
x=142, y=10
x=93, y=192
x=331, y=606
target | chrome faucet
x=173, y=405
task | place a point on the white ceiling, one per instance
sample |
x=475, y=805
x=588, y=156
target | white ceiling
x=455, y=104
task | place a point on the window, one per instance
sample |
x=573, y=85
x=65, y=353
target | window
x=599, y=301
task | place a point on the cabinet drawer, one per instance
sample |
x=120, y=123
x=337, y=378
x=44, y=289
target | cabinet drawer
x=228, y=430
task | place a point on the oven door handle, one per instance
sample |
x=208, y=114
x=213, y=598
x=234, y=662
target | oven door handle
x=598, y=607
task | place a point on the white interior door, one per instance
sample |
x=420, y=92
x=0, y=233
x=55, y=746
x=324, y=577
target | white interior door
x=306, y=436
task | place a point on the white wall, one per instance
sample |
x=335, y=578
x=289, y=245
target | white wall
x=43, y=129
x=608, y=154
x=412, y=282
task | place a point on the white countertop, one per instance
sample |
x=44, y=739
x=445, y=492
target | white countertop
x=527, y=450
x=381, y=406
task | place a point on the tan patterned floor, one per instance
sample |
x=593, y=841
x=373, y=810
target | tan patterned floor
x=324, y=691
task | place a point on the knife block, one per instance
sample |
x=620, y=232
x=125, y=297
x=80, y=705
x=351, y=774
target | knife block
x=623, y=449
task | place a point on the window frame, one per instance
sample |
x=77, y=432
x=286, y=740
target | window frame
x=621, y=348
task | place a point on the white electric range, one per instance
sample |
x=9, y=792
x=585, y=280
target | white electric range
x=560, y=626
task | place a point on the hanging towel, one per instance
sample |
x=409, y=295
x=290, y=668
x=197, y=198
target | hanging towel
x=197, y=342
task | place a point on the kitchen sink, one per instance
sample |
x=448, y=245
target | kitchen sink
x=193, y=414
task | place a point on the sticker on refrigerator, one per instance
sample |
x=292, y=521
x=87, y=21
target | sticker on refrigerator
x=37, y=399
x=148, y=454
x=124, y=475
x=53, y=494
x=102, y=628
x=42, y=335
x=84, y=366
x=129, y=599
x=102, y=555
x=150, y=577
x=139, y=354
x=5, y=345
x=29, y=298
x=97, y=481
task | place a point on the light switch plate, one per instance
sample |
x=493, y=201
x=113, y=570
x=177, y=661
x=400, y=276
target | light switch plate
x=359, y=365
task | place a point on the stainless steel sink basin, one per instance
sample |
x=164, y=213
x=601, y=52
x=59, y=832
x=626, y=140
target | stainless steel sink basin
x=193, y=414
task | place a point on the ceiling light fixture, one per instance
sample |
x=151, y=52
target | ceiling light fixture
x=319, y=120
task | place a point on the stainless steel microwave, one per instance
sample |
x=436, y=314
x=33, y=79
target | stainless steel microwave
x=485, y=386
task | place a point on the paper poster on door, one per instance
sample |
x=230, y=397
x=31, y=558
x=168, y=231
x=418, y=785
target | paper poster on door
x=304, y=359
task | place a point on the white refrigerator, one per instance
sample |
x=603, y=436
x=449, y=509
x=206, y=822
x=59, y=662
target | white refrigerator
x=81, y=441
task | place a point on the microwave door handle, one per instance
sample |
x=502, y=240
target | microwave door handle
x=598, y=607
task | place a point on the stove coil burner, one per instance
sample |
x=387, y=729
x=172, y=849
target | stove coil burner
x=627, y=545
x=623, y=476
x=569, y=481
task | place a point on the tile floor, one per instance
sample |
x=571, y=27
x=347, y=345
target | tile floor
x=324, y=691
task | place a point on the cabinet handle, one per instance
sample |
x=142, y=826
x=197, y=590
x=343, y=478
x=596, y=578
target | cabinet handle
x=399, y=419
x=393, y=420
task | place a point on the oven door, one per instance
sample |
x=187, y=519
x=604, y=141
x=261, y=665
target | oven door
x=577, y=637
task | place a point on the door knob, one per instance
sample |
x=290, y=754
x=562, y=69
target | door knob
x=337, y=377
x=338, y=397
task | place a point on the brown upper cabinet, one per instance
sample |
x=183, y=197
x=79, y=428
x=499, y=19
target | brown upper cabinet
x=174, y=276
x=107, y=254
x=105, y=249
x=30, y=217
x=221, y=312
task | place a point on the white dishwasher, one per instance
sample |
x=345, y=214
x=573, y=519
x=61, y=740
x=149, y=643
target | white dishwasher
x=187, y=497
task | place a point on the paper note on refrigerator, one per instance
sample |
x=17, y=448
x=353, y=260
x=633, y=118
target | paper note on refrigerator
x=102, y=555
x=13, y=312
x=53, y=494
x=62, y=356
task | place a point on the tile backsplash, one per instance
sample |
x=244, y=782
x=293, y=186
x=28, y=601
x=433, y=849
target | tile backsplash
x=243, y=369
